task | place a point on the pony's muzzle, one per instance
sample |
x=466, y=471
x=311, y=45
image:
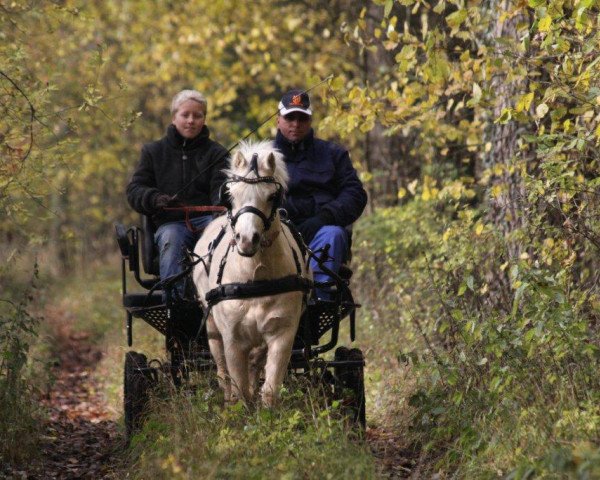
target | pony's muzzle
x=247, y=247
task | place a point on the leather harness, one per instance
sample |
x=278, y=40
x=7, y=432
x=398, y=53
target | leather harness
x=256, y=288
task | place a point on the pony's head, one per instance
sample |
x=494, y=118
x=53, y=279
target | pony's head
x=257, y=178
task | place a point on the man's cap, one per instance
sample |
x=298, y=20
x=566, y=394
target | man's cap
x=295, y=101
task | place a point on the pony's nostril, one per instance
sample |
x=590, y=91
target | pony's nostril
x=237, y=236
x=255, y=238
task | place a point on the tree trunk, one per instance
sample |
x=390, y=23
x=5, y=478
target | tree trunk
x=386, y=157
x=506, y=198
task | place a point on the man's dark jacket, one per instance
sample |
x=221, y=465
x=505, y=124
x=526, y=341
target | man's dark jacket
x=166, y=166
x=321, y=178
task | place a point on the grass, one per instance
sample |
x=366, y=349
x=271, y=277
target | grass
x=190, y=434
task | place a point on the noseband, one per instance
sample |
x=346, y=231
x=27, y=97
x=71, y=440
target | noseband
x=267, y=221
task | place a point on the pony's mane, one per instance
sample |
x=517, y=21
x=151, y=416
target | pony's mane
x=262, y=148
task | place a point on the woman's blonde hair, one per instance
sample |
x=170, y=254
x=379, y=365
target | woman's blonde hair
x=186, y=95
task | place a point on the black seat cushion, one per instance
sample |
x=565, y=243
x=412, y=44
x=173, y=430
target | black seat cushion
x=142, y=300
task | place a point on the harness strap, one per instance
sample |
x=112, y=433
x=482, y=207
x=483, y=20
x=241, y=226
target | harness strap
x=258, y=288
x=222, y=264
x=296, y=235
x=212, y=246
x=250, y=209
x=296, y=259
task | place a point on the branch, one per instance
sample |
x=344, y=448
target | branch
x=31, y=113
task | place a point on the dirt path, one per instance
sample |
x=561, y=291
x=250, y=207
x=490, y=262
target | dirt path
x=395, y=459
x=81, y=438
x=83, y=441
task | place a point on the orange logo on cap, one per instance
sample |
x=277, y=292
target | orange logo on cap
x=296, y=101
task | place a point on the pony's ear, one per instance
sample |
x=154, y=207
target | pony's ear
x=270, y=163
x=238, y=160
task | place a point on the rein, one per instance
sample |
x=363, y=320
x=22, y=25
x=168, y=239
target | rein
x=191, y=209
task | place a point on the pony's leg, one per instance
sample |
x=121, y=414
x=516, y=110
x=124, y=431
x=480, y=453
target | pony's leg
x=278, y=356
x=256, y=364
x=237, y=366
x=215, y=343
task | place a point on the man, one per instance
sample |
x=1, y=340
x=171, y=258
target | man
x=324, y=194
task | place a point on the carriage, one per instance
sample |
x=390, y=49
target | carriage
x=182, y=322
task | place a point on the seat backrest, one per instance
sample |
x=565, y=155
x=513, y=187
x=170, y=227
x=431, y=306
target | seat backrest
x=149, y=250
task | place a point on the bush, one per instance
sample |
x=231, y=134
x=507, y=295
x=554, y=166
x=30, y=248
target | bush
x=503, y=351
x=19, y=412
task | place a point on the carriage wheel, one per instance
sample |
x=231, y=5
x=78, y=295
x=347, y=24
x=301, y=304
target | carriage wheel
x=352, y=384
x=135, y=392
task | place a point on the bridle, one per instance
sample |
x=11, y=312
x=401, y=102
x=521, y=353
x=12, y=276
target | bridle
x=254, y=288
x=276, y=197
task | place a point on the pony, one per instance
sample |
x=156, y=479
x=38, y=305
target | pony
x=253, y=278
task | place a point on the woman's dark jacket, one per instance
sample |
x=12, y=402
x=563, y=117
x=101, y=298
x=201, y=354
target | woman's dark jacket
x=322, y=178
x=168, y=165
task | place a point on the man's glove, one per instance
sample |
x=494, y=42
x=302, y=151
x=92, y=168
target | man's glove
x=309, y=227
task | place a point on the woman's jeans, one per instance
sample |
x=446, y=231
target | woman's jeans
x=172, y=239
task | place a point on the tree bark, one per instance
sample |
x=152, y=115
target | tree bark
x=506, y=197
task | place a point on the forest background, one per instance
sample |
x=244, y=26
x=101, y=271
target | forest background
x=474, y=125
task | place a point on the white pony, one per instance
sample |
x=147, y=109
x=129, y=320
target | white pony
x=255, y=275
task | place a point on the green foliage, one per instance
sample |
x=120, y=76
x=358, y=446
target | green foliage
x=19, y=415
x=99, y=78
x=193, y=435
x=489, y=381
x=487, y=269
x=496, y=293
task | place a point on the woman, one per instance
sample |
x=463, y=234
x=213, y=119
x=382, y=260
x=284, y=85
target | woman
x=185, y=166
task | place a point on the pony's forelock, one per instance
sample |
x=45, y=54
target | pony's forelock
x=262, y=148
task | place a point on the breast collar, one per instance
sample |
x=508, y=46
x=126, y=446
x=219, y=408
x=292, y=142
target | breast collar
x=254, y=288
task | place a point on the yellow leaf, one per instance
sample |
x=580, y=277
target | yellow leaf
x=545, y=23
x=402, y=192
x=412, y=186
x=524, y=102
x=476, y=93
x=496, y=191
x=541, y=110
x=337, y=83
x=479, y=229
